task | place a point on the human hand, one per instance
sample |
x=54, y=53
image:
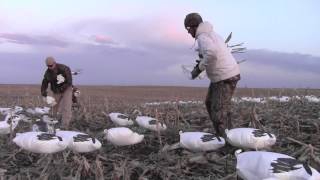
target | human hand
x=51, y=101
x=196, y=71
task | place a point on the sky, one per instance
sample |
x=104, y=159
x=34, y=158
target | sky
x=122, y=42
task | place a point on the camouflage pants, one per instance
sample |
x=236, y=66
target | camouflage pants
x=218, y=103
x=64, y=106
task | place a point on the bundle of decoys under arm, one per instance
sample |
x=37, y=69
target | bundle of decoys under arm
x=253, y=163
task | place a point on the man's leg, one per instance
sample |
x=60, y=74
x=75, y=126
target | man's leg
x=208, y=100
x=66, y=107
x=55, y=108
x=221, y=105
x=216, y=106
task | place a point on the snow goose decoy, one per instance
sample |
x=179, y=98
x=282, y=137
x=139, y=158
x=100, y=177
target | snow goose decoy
x=79, y=142
x=46, y=124
x=38, y=111
x=150, y=123
x=200, y=141
x=76, y=72
x=120, y=119
x=10, y=122
x=4, y=111
x=15, y=110
x=270, y=165
x=122, y=136
x=40, y=142
x=250, y=138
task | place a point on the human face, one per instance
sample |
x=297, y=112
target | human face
x=192, y=30
x=51, y=66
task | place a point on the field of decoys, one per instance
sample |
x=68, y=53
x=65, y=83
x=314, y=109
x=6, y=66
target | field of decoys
x=159, y=133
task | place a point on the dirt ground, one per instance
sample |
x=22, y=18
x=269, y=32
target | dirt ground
x=295, y=123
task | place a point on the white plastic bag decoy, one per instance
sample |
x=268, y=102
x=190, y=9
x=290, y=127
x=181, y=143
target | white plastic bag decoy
x=122, y=136
x=150, y=123
x=250, y=138
x=79, y=142
x=39, y=142
x=120, y=119
x=60, y=79
x=200, y=141
x=254, y=165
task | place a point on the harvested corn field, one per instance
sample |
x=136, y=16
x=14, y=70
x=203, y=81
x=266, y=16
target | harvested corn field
x=295, y=122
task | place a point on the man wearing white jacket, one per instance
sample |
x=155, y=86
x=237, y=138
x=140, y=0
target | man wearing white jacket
x=221, y=68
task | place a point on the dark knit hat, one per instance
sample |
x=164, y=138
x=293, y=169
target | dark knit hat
x=192, y=20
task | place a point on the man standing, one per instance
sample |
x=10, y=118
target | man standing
x=60, y=79
x=221, y=68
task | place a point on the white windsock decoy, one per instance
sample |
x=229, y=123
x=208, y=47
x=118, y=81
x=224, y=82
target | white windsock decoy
x=253, y=165
x=250, y=138
x=46, y=124
x=41, y=111
x=38, y=111
x=40, y=126
x=79, y=142
x=31, y=111
x=150, y=123
x=200, y=141
x=120, y=119
x=122, y=136
x=284, y=99
x=76, y=72
x=16, y=109
x=10, y=122
x=5, y=111
x=39, y=142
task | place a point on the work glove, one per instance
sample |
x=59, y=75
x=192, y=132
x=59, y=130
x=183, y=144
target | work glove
x=196, y=71
x=50, y=101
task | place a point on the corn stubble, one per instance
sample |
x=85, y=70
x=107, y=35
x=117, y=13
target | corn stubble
x=295, y=123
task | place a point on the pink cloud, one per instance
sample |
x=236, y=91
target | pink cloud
x=102, y=39
x=172, y=30
x=172, y=33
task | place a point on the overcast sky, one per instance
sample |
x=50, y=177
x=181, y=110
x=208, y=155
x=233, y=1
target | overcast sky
x=118, y=42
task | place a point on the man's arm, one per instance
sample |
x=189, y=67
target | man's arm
x=44, y=85
x=196, y=70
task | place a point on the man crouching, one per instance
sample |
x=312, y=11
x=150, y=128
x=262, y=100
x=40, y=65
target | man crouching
x=60, y=79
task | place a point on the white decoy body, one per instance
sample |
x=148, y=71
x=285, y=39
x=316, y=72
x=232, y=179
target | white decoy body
x=39, y=142
x=4, y=111
x=38, y=111
x=150, y=123
x=254, y=165
x=10, y=122
x=122, y=136
x=16, y=109
x=79, y=142
x=200, y=141
x=250, y=138
x=120, y=119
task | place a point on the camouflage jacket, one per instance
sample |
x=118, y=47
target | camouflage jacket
x=50, y=76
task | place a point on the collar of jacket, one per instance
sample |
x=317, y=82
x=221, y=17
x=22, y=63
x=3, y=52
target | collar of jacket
x=204, y=27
